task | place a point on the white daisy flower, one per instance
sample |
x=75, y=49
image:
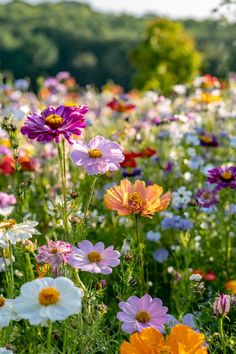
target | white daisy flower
x=13, y=232
x=5, y=351
x=48, y=299
x=7, y=312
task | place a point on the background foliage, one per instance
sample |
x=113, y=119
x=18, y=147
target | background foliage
x=49, y=37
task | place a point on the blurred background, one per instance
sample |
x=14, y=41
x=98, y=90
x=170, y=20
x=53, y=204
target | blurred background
x=137, y=44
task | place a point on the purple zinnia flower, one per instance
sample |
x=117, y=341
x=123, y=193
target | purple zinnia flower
x=54, y=253
x=139, y=313
x=94, y=259
x=53, y=122
x=99, y=156
x=223, y=177
x=206, y=198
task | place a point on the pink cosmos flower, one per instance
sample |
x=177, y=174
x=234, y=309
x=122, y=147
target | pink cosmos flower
x=54, y=122
x=98, y=156
x=139, y=313
x=94, y=259
x=7, y=200
x=54, y=253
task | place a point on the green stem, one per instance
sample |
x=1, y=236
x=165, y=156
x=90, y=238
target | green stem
x=140, y=245
x=29, y=266
x=62, y=160
x=228, y=238
x=222, y=334
x=90, y=197
x=12, y=282
x=49, y=339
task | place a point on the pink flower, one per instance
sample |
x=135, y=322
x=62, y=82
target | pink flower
x=98, y=156
x=139, y=313
x=94, y=259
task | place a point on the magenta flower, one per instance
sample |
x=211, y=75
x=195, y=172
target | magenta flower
x=7, y=200
x=99, y=156
x=54, y=253
x=94, y=259
x=54, y=122
x=223, y=177
x=139, y=313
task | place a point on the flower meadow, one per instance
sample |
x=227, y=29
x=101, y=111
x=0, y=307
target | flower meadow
x=117, y=219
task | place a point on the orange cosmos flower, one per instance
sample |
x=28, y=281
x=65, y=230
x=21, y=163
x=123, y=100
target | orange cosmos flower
x=231, y=286
x=181, y=340
x=128, y=198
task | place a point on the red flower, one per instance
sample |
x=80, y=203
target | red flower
x=209, y=276
x=148, y=152
x=129, y=160
x=120, y=106
x=7, y=165
x=28, y=163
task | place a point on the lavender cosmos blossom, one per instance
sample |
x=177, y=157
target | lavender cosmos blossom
x=223, y=177
x=98, y=156
x=94, y=259
x=206, y=198
x=54, y=253
x=139, y=313
x=54, y=122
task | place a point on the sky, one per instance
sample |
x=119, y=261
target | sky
x=172, y=8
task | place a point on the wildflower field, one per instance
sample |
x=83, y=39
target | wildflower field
x=117, y=219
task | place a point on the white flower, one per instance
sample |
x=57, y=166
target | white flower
x=6, y=211
x=5, y=351
x=7, y=312
x=125, y=249
x=13, y=232
x=181, y=198
x=48, y=299
x=195, y=277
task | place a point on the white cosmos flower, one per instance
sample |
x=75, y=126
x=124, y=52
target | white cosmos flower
x=5, y=351
x=7, y=312
x=13, y=232
x=48, y=299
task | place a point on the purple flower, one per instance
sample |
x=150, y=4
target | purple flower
x=223, y=177
x=7, y=200
x=53, y=122
x=221, y=305
x=94, y=259
x=139, y=313
x=99, y=156
x=206, y=198
x=208, y=140
x=160, y=255
x=54, y=253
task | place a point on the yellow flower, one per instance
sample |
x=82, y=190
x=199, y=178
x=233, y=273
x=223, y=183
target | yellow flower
x=181, y=340
x=231, y=286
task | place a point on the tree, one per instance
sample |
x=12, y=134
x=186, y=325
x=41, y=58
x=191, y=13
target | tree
x=166, y=57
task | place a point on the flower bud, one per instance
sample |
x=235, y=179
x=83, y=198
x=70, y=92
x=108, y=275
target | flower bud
x=221, y=305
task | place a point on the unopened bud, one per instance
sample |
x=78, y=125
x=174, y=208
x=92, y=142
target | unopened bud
x=221, y=305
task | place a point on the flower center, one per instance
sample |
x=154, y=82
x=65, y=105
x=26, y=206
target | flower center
x=2, y=301
x=206, y=139
x=94, y=256
x=7, y=224
x=143, y=317
x=54, y=121
x=49, y=296
x=135, y=201
x=54, y=250
x=165, y=350
x=206, y=196
x=226, y=176
x=95, y=153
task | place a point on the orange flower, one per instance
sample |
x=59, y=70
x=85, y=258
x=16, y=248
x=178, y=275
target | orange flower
x=128, y=198
x=181, y=340
x=231, y=286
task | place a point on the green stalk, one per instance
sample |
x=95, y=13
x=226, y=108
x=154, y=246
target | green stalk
x=29, y=266
x=90, y=197
x=49, y=339
x=222, y=334
x=140, y=244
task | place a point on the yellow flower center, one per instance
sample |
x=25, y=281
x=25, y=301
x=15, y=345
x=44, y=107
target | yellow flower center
x=2, y=301
x=95, y=153
x=206, y=139
x=54, y=121
x=207, y=195
x=7, y=224
x=135, y=201
x=49, y=296
x=226, y=175
x=143, y=317
x=165, y=350
x=94, y=256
